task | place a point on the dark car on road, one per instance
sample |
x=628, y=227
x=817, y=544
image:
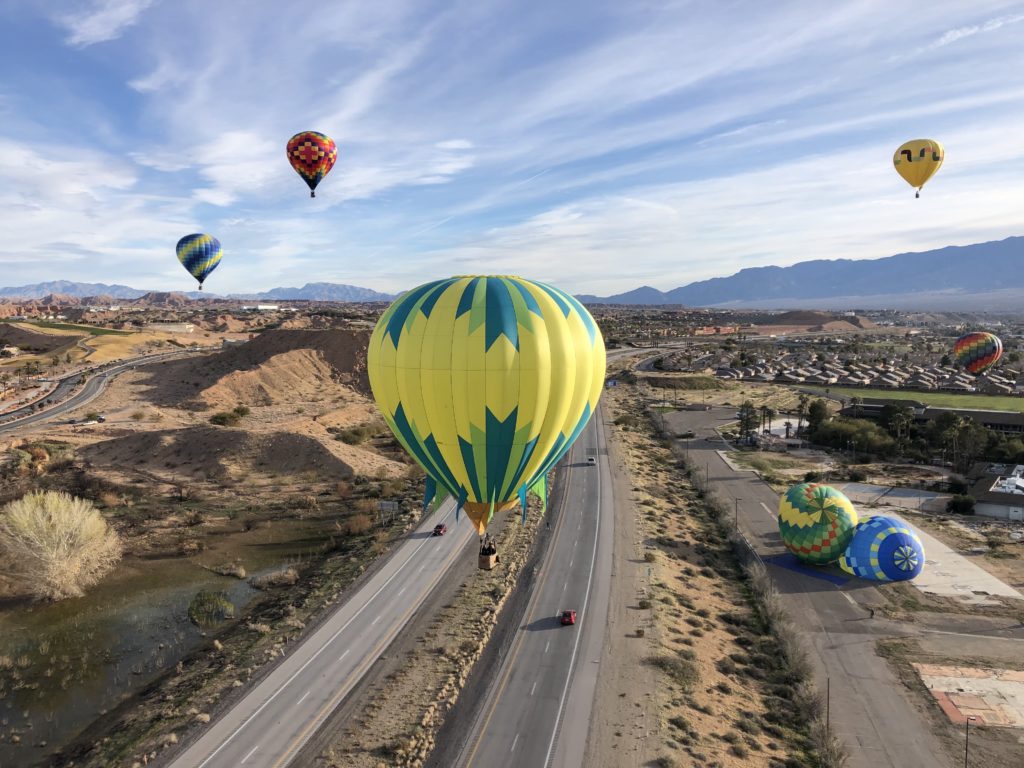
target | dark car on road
x=440, y=529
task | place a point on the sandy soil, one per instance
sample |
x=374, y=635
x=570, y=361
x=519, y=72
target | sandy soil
x=712, y=700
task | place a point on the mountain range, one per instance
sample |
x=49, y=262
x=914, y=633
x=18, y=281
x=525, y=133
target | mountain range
x=308, y=292
x=981, y=276
x=984, y=276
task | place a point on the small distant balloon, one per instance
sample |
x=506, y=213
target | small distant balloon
x=312, y=155
x=978, y=351
x=918, y=160
x=200, y=255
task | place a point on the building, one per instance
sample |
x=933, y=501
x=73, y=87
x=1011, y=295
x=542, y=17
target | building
x=1000, y=492
x=170, y=327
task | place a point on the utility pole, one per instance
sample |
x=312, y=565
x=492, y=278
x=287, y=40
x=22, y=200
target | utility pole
x=967, y=737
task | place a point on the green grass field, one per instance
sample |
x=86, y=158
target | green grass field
x=939, y=399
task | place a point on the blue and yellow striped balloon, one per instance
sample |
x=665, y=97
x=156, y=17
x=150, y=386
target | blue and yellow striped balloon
x=486, y=381
x=200, y=255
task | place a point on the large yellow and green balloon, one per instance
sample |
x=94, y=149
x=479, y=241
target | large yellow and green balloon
x=816, y=522
x=486, y=381
x=918, y=160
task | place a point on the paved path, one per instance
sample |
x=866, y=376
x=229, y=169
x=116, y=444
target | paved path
x=537, y=713
x=869, y=708
x=266, y=727
x=92, y=389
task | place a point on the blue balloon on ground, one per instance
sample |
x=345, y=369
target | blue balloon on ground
x=883, y=549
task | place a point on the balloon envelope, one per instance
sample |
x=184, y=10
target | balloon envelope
x=883, y=549
x=486, y=381
x=312, y=155
x=816, y=522
x=200, y=255
x=918, y=160
x=977, y=352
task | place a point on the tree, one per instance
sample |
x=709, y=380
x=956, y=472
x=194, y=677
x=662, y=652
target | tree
x=801, y=411
x=856, y=402
x=55, y=544
x=748, y=418
x=769, y=415
x=817, y=414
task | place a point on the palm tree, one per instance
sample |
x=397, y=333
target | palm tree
x=856, y=402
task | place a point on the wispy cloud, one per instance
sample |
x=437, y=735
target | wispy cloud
x=588, y=142
x=104, y=20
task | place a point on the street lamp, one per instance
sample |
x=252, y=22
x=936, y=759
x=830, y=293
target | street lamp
x=967, y=736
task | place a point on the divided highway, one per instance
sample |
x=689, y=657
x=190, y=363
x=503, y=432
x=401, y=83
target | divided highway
x=92, y=389
x=266, y=728
x=537, y=711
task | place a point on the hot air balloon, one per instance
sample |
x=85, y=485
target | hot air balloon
x=200, y=255
x=918, y=160
x=883, y=549
x=816, y=522
x=312, y=155
x=977, y=352
x=486, y=381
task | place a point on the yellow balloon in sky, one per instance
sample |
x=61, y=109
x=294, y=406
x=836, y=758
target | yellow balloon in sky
x=918, y=160
x=486, y=381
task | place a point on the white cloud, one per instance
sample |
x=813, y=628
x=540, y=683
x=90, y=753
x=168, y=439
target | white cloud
x=104, y=20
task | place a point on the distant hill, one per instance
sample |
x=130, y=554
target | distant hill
x=320, y=292
x=953, y=277
x=97, y=291
x=78, y=290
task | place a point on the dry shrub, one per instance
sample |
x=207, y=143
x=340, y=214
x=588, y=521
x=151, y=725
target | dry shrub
x=285, y=578
x=365, y=506
x=109, y=499
x=56, y=545
x=343, y=489
x=38, y=453
x=357, y=524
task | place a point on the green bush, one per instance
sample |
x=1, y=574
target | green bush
x=812, y=477
x=960, y=505
x=225, y=419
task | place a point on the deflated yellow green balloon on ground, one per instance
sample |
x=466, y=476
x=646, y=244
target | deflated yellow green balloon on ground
x=486, y=381
x=816, y=522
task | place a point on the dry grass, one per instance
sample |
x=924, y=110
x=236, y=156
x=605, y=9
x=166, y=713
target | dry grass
x=734, y=681
x=56, y=545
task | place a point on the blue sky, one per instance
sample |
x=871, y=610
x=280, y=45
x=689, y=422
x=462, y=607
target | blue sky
x=595, y=145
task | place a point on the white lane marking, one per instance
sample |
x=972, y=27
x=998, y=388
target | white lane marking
x=514, y=742
x=302, y=699
x=401, y=591
x=319, y=650
x=377, y=619
x=573, y=560
x=565, y=585
x=579, y=635
x=852, y=601
x=437, y=547
x=534, y=688
x=546, y=645
x=250, y=753
x=344, y=655
x=575, y=543
x=766, y=509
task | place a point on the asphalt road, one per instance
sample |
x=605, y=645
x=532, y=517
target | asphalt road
x=869, y=709
x=266, y=727
x=537, y=712
x=92, y=389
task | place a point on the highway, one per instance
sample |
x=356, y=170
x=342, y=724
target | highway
x=267, y=726
x=92, y=389
x=537, y=711
x=869, y=709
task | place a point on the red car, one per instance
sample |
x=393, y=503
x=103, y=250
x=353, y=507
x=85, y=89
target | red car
x=568, y=617
x=440, y=529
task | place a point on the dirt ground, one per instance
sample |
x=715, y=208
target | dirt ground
x=693, y=681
